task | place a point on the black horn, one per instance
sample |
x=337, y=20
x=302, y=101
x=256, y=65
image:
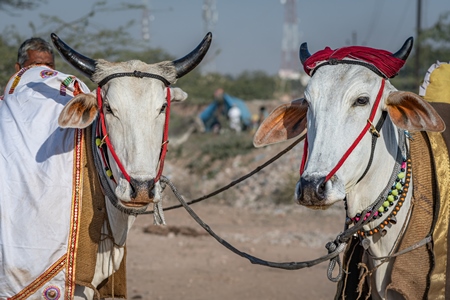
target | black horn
x=189, y=62
x=304, y=53
x=80, y=62
x=404, y=51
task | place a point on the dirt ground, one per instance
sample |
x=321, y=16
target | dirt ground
x=189, y=267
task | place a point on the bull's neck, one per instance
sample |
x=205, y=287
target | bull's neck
x=378, y=179
x=382, y=182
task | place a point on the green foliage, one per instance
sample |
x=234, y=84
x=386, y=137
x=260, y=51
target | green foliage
x=435, y=45
x=246, y=86
x=439, y=33
x=8, y=57
x=203, y=150
x=226, y=145
x=253, y=85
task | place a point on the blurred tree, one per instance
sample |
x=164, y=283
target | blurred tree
x=435, y=45
x=253, y=85
x=117, y=44
x=6, y=5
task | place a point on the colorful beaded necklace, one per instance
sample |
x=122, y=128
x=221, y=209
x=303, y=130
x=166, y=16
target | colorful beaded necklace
x=392, y=197
x=398, y=193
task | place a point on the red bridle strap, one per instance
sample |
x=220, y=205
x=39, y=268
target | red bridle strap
x=106, y=139
x=165, y=140
x=355, y=143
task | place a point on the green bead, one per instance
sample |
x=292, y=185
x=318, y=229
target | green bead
x=386, y=203
x=381, y=209
x=401, y=175
x=109, y=173
x=398, y=186
x=391, y=198
x=394, y=193
x=98, y=142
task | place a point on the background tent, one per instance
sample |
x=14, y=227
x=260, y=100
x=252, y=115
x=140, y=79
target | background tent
x=209, y=114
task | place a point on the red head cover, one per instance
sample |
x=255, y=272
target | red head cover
x=382, y=60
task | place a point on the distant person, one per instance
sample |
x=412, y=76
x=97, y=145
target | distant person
x=216, y=115
x=234, y=116
x=263, y=113
x=35, y=51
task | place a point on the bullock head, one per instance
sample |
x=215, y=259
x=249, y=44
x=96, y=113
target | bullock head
x=134, y=103
x=339, y=99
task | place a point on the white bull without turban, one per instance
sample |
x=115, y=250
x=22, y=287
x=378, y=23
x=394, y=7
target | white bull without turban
x=41, y=198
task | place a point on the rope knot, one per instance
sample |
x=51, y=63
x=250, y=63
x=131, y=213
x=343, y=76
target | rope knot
x=138, y=74
x=335, y=247
x=331, y=246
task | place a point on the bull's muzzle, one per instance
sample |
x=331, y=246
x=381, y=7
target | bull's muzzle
x=142, y=192
x=311, y=190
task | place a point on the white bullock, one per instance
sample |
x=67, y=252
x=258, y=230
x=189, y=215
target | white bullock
x=127, y=117
x=351, y=156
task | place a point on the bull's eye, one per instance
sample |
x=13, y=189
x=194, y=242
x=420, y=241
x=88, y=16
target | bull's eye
x=163, y=108
x=361, y=101
x=108, y=108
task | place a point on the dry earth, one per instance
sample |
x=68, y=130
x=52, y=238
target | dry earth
x=195, y=268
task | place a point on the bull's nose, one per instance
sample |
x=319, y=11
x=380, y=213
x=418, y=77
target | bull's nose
x=311, y=188
x=139, y=186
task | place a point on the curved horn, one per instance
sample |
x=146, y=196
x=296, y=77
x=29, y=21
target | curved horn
x=304, y=53
x=80, y=62
x=404, y=51
x=189, y=62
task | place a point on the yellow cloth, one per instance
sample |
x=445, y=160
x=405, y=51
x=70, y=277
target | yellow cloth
x=437, y=83
x=436, y=88
x=440, y=233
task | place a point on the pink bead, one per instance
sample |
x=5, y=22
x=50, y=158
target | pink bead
x=404, y=165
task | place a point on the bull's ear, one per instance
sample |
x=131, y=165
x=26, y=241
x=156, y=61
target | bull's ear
x=177, y=95
x=285, y=122
x=79, y=112
x=409, y=111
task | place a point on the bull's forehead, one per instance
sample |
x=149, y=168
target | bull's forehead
x=131, y=94
x=338, y=85
x=105, y=68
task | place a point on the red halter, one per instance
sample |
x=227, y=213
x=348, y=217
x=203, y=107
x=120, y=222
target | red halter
x=106, y=139
x=368, y=126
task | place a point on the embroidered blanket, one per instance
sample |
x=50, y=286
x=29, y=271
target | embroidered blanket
x=40, y=165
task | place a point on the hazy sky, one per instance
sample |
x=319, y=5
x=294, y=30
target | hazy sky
x=248, y=33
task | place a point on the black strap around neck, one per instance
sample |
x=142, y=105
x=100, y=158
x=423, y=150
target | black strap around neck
x=374, y=142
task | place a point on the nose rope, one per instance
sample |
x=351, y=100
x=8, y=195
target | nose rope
x=368, y=127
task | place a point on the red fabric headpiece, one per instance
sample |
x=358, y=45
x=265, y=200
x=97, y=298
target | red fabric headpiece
x=382, y=60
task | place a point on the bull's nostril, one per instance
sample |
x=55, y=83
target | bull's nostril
x=321, y=188
x=299, y=189
x=133, y=193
